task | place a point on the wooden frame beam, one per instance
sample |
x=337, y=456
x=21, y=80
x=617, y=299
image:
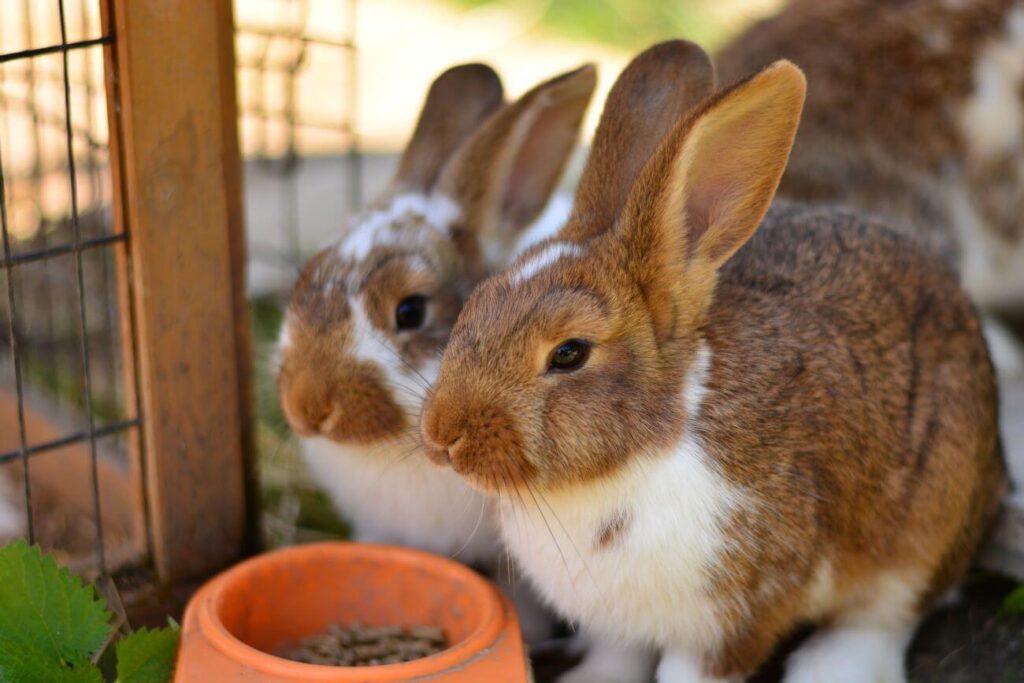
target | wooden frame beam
x=178, y=194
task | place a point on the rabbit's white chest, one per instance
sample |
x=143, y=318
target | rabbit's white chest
x=630, y=557
x=390, y=496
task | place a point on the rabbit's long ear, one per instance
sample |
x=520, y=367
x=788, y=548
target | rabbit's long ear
x=659, y=86
x=505, y=174
x=459, y=101
x=705, y=191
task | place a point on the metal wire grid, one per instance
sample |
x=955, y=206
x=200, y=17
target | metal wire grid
x=271, y=71
x=65, y=326
x=298, y=101
x=87, y=296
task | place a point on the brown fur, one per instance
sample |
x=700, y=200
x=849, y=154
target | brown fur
x=903, y=471
x=442, y=128
x=505, y=175
x=612, y=529
x=850, y=397
x=881, y=133
x=664, y=83
x=474, y=151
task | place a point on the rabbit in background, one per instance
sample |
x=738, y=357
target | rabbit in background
x=370, y=314
x=915, y=112
x=707, y=421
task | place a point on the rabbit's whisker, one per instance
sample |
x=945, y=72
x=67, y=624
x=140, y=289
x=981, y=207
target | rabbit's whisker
x=515, y=516
x=403, y=361
x=576, y=549
x=558, y=546
x=476, y=527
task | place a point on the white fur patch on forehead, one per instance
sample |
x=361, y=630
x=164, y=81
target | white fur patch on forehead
x=376, y=228
x=284, y=342
x=696, y=382
x=545, y=258
x=554, y=218
x=284, y=338
x=408, y=384
x=993, y=117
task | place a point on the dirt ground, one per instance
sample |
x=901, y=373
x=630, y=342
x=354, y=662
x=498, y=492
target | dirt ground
x=967, y=642
x=971, y=641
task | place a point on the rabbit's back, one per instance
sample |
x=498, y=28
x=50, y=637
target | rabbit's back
x=853, y=397
x=915, y=111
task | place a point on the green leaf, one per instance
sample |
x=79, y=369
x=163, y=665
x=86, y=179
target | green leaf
x=1014, y=602
x=47, y=610
x=20, y=664
x=147, y=656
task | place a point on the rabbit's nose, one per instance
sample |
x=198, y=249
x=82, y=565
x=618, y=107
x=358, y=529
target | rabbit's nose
x=440, y=454
x=303, y=415
x=440, y=436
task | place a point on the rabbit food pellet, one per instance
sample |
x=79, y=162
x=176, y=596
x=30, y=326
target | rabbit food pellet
x=358, y=645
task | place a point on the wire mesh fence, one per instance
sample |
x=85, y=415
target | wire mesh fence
x=69, y=415
x=67, y=408
x=297, y=106
x=298, y=88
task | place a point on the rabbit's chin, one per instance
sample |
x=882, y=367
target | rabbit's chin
x=393, y=495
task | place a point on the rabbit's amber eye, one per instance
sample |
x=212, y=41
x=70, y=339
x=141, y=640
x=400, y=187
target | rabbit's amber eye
x=411, y=312
x=569, y=355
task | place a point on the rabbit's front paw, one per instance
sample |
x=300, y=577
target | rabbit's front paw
x=849, y=655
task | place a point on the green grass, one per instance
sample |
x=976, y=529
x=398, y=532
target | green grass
x=265, y=317
x=69, y=387
x=627, y=24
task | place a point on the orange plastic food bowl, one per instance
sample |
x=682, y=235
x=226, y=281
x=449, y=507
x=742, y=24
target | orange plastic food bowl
x=234, y=623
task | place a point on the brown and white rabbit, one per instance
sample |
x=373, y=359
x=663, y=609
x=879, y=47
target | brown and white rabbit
x=915, y=111
x=703, y=433
x=362, y=337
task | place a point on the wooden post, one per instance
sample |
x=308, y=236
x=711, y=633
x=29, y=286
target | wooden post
x=179, y=191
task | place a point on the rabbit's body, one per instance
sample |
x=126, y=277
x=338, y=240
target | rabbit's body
x=709, y=424
x=915, y=112
x=792, y=495
x=370, y=314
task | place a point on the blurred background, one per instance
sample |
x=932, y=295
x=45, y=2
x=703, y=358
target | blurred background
x=328, y=92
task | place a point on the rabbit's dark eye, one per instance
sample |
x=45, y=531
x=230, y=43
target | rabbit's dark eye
x=411, y=312
x=569, y=356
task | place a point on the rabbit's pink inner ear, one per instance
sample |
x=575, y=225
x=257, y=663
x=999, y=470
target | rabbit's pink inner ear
x=731, y=161
x=704, y=192
x=658, y=87
x=457, y=104
x=505, y=174
x=546, y=146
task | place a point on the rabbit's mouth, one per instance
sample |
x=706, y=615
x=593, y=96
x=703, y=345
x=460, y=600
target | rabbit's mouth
x=481, y=446
x=350, y=406
x=360, y=427
x=370, y=429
